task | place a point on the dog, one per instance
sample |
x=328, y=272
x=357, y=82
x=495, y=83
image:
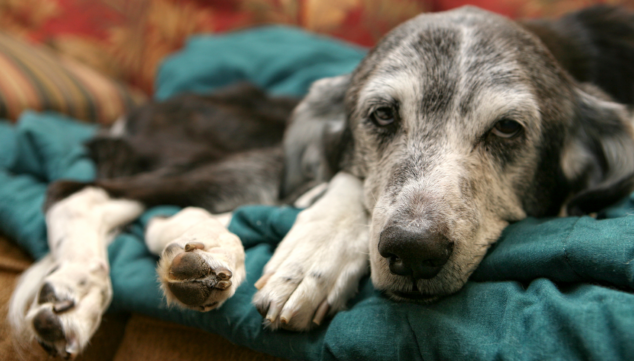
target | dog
x=455, y=125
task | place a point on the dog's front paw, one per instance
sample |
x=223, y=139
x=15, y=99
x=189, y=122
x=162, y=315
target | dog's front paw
x=68, y=307
x=314, y=271
x=202, y=268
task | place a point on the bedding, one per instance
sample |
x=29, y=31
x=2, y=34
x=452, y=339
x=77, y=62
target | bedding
x=556, y=288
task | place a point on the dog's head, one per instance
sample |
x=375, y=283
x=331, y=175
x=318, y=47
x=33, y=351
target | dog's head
x=461, y=123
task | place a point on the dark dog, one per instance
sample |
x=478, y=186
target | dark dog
x=216, y=152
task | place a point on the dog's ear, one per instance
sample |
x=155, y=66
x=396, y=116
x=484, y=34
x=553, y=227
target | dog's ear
x=598, y=157
x=316, y=137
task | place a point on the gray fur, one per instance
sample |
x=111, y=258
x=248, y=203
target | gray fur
x=452, y=76
x=313, y=136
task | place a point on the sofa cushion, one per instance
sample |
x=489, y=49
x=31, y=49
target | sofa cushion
x=35, y=78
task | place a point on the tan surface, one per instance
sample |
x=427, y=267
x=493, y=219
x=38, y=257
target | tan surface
x=176, y=342
x=121, y=338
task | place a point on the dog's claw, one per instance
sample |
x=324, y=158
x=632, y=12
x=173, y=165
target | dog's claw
x=47, y=295
x=223, y=285
x=193, y=246
x=262, y=281
x=63, y=306
x=273, y=312
x=286, y=317
x=223, y=274
x=321, y=312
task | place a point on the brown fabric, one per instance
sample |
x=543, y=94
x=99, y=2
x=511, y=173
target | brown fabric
x=150, y=339
x=120, y=338
x=12, y=263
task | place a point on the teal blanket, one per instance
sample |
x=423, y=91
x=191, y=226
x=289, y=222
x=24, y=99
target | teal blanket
x=549, y=289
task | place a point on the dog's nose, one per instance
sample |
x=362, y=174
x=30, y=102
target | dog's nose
x=414, y=252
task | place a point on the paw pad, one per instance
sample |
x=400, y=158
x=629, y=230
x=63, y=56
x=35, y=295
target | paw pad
x=193, y=280
x=48, y=326
x=189, y=266
x=190, y=293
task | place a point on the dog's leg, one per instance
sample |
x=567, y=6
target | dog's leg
x=202, y=263
x=67, y=292
x=318, y=265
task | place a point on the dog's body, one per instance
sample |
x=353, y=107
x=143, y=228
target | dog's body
x=197, y=151
x=455, y=125
x=462, y=122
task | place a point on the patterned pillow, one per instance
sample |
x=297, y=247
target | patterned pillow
x=35, y=78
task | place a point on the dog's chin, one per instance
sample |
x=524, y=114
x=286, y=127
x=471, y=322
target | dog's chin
x=403, y=289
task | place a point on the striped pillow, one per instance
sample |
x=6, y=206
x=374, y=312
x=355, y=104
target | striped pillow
x=35, y=78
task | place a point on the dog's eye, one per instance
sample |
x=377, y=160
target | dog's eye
x=383, y=116
x=507, y=128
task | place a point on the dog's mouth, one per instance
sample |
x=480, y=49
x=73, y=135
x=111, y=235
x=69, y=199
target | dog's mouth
x=416, y=297
x=413, y=295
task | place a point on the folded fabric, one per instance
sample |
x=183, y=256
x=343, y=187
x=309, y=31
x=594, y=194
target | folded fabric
x=282, y=60
x=549, y=289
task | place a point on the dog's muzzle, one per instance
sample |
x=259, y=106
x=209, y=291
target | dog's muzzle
x=416, y=253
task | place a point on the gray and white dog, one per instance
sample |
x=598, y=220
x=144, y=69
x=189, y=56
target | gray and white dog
x=454, y=126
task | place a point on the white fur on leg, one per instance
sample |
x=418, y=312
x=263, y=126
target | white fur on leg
x=163, y=230
x=318, y=265
x=67, y=292
x=26, y=289
x=194, y=236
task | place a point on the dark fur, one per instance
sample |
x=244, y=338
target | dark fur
x=595, y=45
x=215, y=152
